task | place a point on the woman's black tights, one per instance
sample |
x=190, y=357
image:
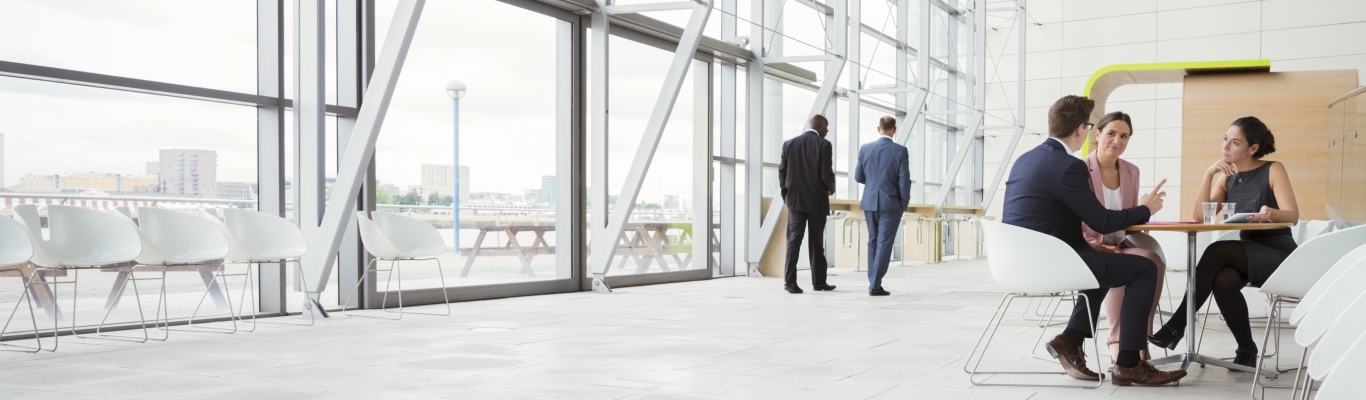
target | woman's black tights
x=1222, y=270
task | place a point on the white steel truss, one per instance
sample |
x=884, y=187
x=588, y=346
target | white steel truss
x=324, y=242
x=605, y=230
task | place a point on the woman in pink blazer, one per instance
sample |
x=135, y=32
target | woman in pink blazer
x=1115, y=182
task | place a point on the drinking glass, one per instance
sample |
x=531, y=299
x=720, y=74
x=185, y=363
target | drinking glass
x=1211, y=212
x=1228, y=210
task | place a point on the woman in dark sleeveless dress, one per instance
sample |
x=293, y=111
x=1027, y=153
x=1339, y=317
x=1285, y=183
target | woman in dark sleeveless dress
x=1256, y=186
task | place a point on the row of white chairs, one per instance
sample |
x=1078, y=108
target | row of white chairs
x=80, y=238
x=1324, y=279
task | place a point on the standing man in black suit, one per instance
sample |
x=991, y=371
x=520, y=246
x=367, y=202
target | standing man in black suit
x=807, y=177
x=1049, y=191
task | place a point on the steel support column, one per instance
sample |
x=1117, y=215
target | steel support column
x=270, y=145
x=701, y=168
x=755, y=217
x=355, y=60
x=854, y=56
x=728, y=109
x=309, y=123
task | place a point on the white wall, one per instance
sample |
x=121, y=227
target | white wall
x=1074, y=38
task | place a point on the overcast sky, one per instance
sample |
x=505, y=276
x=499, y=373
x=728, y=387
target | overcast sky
x=504, y=54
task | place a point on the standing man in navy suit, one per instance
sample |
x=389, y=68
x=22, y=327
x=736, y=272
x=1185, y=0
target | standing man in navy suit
x=1049, y=191
x=807, y=176
x=884, y=169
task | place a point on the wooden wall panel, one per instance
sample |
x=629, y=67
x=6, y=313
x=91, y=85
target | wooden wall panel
x=1293, y=104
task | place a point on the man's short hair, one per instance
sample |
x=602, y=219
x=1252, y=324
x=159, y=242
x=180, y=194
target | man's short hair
x=887, y=123
x=817, y=120
x=1067, y=113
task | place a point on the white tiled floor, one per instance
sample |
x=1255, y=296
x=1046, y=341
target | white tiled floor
x=735, y=338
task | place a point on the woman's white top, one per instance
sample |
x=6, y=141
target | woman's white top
x=1113, y=202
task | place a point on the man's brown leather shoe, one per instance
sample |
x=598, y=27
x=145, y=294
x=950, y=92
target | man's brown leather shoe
x=1144, y=374
x=1072, y=357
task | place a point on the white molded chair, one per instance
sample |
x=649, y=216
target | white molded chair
x=256, y=238
x=1338, y=339
x=1029, y=264
x=15, y=250
x=171, y=238
x=1313, y=229
x=80, y=238
x=1297, y=275
x=1327, y=311
x=1346, y=381
x=396, y=238
x=1349, y=261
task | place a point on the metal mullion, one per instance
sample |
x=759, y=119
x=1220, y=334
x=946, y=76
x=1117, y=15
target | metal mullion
x=855, y=102
x=157, y=88
x=728, y=110
x=355, y=27
x=702, y=166
x=270, y=128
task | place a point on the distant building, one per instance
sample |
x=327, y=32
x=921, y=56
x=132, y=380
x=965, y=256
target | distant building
x=390, y=188
x=38, y=183
x=438, y=178
x=153, y=168
x=670, y=202
x=189, y=172
x=237, y=190
x=549, y=192
x=494, y=198
x=138, y=183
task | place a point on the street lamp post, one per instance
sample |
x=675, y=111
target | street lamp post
x=455, y=90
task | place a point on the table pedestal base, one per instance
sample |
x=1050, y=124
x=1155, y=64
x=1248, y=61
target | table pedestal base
x=1187, y=359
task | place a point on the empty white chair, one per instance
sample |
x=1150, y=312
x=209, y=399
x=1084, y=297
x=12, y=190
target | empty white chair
x=1297, y=275
x=1346, y=381
x=169, y=238
x=396, y=238
x=15, y=251
x=80, y=238
x=1327, y=311
x=1315, y=228
x=256, y=238
x=1351, y=260
x=1029, y=264
x=1350, y=325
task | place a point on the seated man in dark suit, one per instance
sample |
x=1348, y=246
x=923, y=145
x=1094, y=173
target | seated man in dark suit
x=1049, y=191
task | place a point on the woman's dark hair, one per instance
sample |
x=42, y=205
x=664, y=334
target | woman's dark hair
x=1112, y=117
x=1256, y=133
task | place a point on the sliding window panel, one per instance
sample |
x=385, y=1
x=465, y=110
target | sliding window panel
x=659, y=234
x=483, y=168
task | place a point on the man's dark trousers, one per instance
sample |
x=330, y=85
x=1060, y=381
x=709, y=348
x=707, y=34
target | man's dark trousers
x=1137, y=274
x=814, y=225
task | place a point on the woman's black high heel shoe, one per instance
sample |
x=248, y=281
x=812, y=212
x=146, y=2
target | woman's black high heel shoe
x=1245, y=358
x=1166, y=338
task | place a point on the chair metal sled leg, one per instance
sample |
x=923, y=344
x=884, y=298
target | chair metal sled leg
x=156, y=320
x=971, y=368
x=398, y=267
x=32, y=316
x=309, y=305
x=233, y=315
